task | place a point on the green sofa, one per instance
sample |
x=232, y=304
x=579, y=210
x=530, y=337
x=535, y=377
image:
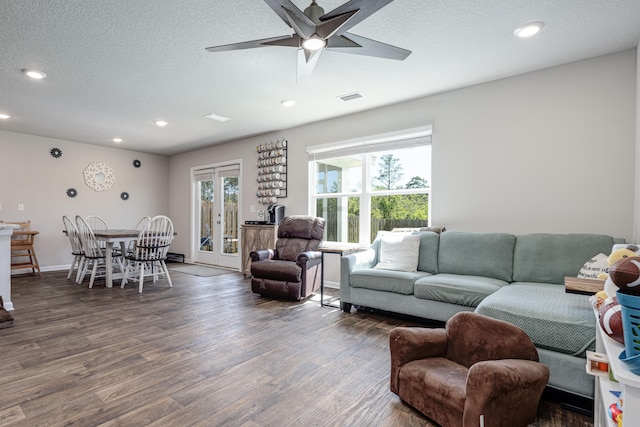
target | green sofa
x=519, y=279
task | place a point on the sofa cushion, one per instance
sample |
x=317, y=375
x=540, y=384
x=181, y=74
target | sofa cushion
x=400, y=282
x=399, y=251
x=477, y=254
x=548, y=258
x=553, y=319
x=428, y=258
x=456, y=289
x=597, y=265
x=286, y=271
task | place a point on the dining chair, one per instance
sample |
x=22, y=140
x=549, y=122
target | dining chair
x=23, y=253
x=94, y=252
x=96, y=223
x=76, y=247
x=149, y=253
x=143, y=223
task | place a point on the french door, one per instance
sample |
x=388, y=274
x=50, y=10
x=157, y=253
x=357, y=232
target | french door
x=216, y=215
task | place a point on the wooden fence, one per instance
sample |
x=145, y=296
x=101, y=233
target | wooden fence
x=377, y=224
x=230, y=231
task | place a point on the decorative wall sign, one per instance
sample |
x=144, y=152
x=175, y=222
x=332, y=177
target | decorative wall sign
x=272, y=172
x=136, y=163
x=99, y=176
x=72, y=192
x=124, y=195
x=56, y=152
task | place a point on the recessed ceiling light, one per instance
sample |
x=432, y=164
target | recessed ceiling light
x=529, y=29
x=216, y=117
x=161, y=123
x=118, y=140
x=288, y=103
x=4, y=116
x=34, y=74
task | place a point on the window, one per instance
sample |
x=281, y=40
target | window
x=366, y=186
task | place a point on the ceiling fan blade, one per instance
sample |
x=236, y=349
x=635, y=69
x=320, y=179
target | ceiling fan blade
x=287, y=40
x=282, y=7
x=366, y=8
x=332, y=26
x=307, y=61
x=351, y=43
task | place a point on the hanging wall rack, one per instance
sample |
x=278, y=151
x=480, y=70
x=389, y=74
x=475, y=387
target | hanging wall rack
x=272, y=171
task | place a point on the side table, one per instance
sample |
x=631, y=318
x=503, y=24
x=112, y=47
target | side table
x=338, y=250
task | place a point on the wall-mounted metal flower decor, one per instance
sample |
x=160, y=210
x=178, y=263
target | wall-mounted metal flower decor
x=72, y=192
x=56, y=152
x=99, y=176
x=137, y=163
x=124, y=195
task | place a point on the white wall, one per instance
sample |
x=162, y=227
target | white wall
x=636, y=214
x=30, y=175
x=548, y=151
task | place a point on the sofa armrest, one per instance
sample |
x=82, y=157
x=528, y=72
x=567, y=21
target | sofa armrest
x=261, y=255
x=494, y=385
x=309, y=259
x=407, y=344
x=362, y=259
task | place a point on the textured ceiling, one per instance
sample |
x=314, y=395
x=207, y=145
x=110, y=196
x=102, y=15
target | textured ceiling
x=113, y=67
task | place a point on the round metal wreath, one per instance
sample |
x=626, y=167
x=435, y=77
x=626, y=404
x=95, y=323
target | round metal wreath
x=56, y=152
x=72, y=192
x=124, y=195
x=99, y=176
x=136, y=163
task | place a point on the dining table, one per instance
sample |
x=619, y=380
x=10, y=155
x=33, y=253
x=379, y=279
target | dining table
x=111, y=237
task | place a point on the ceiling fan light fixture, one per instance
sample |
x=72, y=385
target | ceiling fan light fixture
x=313, y=43
x=528, y=30
x=34, y=74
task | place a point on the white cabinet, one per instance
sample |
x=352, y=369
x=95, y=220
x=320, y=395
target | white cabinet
x=5, y=265
x=628, y=383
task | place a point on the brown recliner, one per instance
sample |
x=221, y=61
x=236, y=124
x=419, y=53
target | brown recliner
x=291, y=271
x=475, y=367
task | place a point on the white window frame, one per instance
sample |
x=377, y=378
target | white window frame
x=364, y=146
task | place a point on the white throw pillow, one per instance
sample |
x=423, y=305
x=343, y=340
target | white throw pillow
x=399, y=251
x=592, y=268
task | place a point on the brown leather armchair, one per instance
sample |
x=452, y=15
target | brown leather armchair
x=475, y=367
x=291, y=271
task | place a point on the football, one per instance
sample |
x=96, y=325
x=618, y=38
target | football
x=611, y=320
x=626, y=275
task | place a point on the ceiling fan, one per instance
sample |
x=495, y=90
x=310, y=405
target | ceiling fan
x=316, y=31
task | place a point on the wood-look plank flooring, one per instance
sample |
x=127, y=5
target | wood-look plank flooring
x=207, y=352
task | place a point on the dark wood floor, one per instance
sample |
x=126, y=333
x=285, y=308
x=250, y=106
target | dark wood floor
x=206, y=352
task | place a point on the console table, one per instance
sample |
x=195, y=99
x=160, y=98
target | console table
x=338, y=250
x=628, y=383
x=256, y=236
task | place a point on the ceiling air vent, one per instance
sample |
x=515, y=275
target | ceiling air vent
x=350, y=96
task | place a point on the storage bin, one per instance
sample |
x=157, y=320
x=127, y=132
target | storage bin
x=631, y=329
